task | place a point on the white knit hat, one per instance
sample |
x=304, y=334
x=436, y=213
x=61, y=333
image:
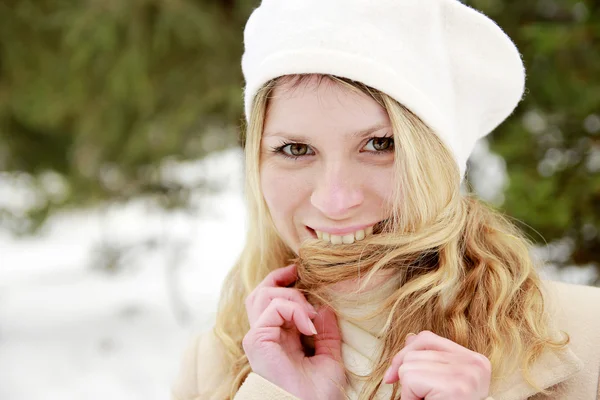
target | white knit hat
x=449, y=64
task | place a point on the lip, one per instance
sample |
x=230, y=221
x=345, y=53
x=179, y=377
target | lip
x=341, y=231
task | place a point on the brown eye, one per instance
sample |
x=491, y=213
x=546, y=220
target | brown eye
x=380, y=144
x=296, y=149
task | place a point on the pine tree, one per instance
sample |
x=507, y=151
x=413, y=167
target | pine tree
x=551, y=144
x=94, y=94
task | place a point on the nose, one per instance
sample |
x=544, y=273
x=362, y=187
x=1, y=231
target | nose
x=337, y=193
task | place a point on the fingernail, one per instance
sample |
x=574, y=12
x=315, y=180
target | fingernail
x=312, y=328
x=312, y=309
x=409, y=335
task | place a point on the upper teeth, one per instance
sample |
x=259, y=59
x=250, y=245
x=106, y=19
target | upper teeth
x=348, y=238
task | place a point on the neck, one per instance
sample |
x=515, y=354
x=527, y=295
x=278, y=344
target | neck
x=359, y=304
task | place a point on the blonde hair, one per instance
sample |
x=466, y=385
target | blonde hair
x=464, y=271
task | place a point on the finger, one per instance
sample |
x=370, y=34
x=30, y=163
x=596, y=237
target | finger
x=427, y=380
x=328, y=340
x=263, y=297
x=280, y=311
x=417, y=357
x=280, y=277
x=435, y=368
x=442, y=357
x=427, y=340
x=415, y=385
x=462, y=355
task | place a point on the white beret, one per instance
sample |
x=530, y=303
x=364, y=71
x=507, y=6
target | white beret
x=449, y=64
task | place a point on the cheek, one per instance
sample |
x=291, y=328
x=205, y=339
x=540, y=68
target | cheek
x=378, y=184
x=284, y=191
x=385, y=187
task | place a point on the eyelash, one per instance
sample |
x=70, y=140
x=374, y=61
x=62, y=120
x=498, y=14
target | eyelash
x=279, y=149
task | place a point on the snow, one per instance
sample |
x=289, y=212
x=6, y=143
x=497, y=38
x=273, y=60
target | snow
x=71, y=329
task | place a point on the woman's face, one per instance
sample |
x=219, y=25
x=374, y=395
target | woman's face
x=327, y=157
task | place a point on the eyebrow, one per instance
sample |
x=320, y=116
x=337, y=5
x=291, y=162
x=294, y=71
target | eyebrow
x=303, y=139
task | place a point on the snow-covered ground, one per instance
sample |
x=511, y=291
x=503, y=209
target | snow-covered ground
x=71, y=330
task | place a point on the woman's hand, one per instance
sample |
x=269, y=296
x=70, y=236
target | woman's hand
x=431, y=367
x=278, y=316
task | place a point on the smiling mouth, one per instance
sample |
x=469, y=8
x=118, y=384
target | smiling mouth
x=347, y=238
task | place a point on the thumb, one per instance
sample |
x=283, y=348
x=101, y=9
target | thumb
x=328, y=340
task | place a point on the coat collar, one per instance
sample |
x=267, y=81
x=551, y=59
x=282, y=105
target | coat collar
x=550, y=369
x=361, y=342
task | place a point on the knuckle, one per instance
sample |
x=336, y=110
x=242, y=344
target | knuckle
x=297, y=295
x=460, y=390
x=288, y=293
x=247, y=341
x=426, y=335
x=396, y=359
x=277, y=302
x=482, y=362
x=468, y=380
x=255, y=338
x=284, y=307
x=259, y=296
x=402, y=370
x=407, y=377
x=487, y=364
x=249, y=300
x=411, y=356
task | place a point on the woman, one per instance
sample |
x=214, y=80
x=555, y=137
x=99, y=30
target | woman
x=367, y=274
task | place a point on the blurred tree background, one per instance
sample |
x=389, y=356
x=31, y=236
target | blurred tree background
x=95, y=94
x=551, y=144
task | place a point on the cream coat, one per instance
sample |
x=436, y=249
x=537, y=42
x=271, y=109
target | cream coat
x=574, y=373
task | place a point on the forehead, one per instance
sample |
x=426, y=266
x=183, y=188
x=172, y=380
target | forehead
x=315, y=104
